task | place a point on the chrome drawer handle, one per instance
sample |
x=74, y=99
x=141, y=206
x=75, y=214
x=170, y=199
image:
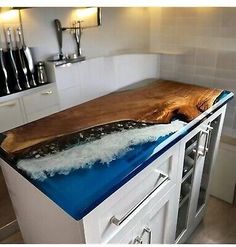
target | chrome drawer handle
x=47, y=92
x=149, y=232
x=162, y=178
x=8, y=104
x=139, y=240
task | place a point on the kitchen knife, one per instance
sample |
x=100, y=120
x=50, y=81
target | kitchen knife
x=59, y=37
x=3, y=70
x=77, y=36
x=3, y=74
x=28, y=57
x=17, y=86
x=22, y=60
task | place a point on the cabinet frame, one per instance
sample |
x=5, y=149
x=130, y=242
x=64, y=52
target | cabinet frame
x=193, y=217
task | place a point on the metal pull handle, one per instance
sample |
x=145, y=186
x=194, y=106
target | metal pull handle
x=8, y=104
x=210, y=128
x=207, y=140
x=139, y=240
x=161, y=179
x=149, y=232
x=47, y=92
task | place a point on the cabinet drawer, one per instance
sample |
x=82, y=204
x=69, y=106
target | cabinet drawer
x=151, y=224
x=116, y=211
x=40, y=101
x=10, y=115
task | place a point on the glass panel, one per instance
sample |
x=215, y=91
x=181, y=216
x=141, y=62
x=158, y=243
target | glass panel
x=189, y=155
x=184, y=205
x=182, y=218
x=207, y=165
x=187, y=179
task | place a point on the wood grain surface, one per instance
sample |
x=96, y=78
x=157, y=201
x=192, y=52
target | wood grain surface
x=157, y=102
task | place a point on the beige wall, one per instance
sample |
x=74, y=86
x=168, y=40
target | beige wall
x=122, y=29
x=208, y=38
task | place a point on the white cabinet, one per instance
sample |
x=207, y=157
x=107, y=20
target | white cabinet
x=147, y=200
x=153, y=224
x=146, y=209
x=198, y=153
x=41, y=103
x=118, y=210
x=27, y=106
x=11, y=115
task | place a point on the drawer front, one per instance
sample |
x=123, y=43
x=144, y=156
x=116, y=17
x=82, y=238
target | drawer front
x=116, y=211
x=151, y=224
x=40, y=101
x=10, y=115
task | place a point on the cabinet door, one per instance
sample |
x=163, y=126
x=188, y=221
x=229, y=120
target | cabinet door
x=41, y=104
x=122, y=206
x=204, y=179
x=153, y=225
x=192, y=165
x=198, y=156
x=11, y=115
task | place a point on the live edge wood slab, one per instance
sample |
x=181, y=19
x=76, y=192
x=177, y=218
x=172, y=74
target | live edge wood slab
x=157, y=102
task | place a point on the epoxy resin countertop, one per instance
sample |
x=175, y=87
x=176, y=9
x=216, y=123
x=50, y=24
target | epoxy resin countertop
x=80, y=156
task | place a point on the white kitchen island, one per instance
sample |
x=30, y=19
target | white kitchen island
x=161, y=200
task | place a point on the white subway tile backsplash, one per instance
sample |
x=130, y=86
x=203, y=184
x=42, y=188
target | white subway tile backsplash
x=226, y=74
x=168, y=75
x=206, y=81
x=226, y=60
x=205, y=71
x=206, y=57
x=188, y=58
x=209, y=34
x=228, y=17
x=228, y=32
x=170, y=59
x=167, y=67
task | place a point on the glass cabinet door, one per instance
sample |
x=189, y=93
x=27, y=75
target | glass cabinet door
x=186, y=185
x=214, y=126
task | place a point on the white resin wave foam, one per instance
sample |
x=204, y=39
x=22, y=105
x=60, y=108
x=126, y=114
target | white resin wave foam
x=106, y=149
